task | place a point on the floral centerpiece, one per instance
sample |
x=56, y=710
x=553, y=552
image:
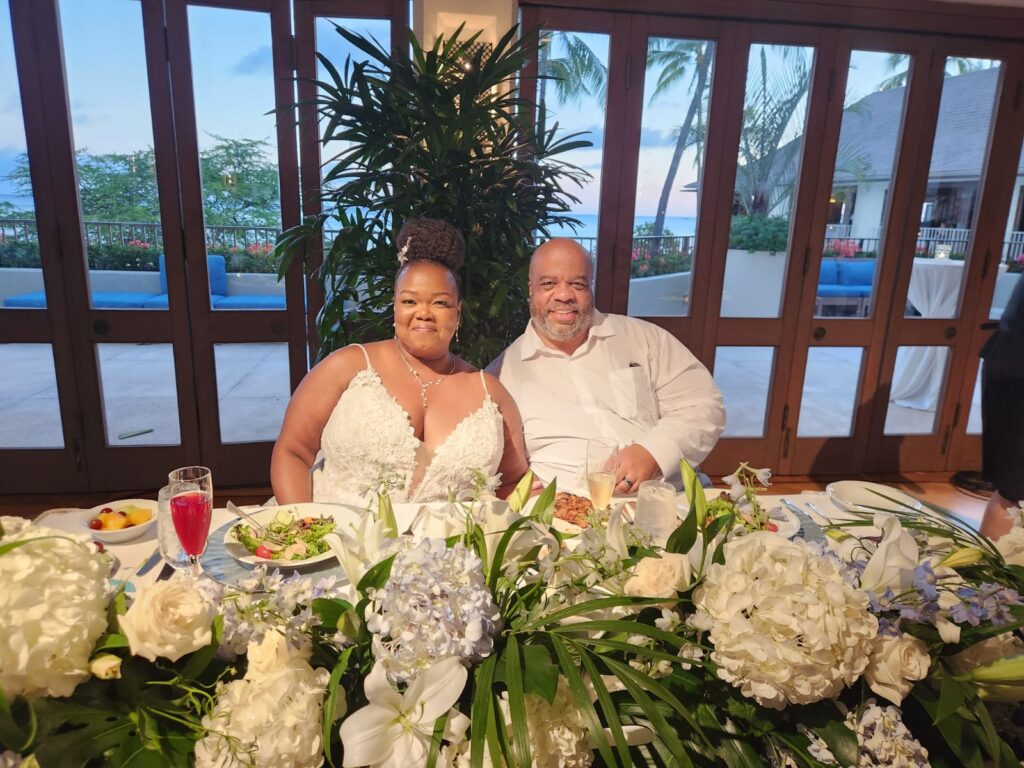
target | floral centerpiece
x=498, y=637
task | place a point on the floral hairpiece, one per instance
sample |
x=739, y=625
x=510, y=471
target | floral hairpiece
x=403, y=252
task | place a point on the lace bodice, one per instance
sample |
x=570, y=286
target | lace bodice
x=369, y=439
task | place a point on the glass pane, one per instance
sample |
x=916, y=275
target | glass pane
x=743, y=375
x=140, y=397
x=109, y=97
x=21, y=275
x=872, y=116
x=574, y=94
x=917, y=382
x=958, y=158
x=768, y=166
x=233, y=80
x=29, y=408
x=831, y=380
x=974, y=415
x=253, y=388
x=677, y=89
x=1012, y=263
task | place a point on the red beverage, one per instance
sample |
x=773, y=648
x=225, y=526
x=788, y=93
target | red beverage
x=191, y=513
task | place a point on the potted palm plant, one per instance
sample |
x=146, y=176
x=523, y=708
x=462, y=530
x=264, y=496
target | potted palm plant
x=442, y=132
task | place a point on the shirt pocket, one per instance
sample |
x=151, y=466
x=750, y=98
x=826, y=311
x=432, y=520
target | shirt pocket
x=628, y=392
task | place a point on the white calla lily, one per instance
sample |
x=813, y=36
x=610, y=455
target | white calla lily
x=357, y=553
x=394, y=729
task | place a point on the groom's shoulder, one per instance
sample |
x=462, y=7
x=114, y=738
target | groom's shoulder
x=509, y=353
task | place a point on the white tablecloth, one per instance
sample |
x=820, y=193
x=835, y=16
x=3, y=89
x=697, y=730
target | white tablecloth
x=935, y=292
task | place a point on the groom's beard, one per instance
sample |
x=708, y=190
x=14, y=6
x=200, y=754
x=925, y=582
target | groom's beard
x=557, y=331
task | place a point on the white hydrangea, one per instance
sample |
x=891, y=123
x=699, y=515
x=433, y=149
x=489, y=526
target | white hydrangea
x=786, y=626
x=884, y=739
x=272, y=717
x=435, y=605
x=52, y=609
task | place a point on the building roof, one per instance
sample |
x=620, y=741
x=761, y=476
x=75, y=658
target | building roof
x=868, y=137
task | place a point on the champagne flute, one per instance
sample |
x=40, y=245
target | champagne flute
x=191, y=492
x=602, y=465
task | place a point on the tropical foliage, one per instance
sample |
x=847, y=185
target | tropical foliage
x=440, y=132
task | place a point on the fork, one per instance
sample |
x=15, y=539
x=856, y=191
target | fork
x=239, y=512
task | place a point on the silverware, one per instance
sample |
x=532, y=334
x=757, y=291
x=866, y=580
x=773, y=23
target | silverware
x=150, y=563
x=239, y=512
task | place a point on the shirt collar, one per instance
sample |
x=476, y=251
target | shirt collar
x=533, y=346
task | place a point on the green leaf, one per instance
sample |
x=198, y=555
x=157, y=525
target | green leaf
x=952, y=695
x=840, y=740
x=435, y=740
x=544, y=508
x=12, y=735
x=200, y=660
x=110, y=642
x=330, y=611
x=481, y=710
x=604, y=699
x=331, y=699
x=377, y=576
x=572, y=676
x=683, y=537
x=541, y=674
x=517, y=704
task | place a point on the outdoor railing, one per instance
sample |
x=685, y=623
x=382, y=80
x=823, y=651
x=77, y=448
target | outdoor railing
x=141, y=233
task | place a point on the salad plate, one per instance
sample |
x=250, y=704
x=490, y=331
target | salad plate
x=287, y=527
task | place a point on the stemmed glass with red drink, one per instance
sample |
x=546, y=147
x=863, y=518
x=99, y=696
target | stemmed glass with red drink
x=191, y=492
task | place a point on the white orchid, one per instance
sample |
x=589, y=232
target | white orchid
x=394, y=729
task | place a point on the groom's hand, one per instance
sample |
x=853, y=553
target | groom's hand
x=636, y=464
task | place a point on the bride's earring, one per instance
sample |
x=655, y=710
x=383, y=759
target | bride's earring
x=458, y=324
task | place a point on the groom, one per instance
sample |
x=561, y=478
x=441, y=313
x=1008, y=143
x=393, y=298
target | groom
x=577, y=373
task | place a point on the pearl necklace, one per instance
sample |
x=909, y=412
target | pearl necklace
x=423, y=384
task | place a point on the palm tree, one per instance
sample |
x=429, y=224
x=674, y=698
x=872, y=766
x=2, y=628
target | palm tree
x=578, y=72
x=676, y=59
x=955, y=65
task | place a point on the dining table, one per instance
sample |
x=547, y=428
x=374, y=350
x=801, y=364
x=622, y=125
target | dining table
x=131, y=556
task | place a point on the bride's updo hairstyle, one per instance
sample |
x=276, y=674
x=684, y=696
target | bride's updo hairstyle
x=431, y=240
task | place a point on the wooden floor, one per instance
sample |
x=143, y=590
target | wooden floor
x=968, y=506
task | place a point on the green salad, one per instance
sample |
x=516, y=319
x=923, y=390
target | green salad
x=287, y=537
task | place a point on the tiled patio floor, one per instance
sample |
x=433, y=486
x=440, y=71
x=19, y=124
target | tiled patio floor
x=252, y=385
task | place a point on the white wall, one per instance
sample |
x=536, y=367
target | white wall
x=492, y=18
x=867, y=213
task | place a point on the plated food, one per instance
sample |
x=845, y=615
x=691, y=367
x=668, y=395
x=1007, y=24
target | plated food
x=286, y=537
x=119, y=521
x=573, y=509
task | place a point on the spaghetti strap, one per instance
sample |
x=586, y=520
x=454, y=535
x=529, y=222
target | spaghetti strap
x=366, y=355
x=483, y=383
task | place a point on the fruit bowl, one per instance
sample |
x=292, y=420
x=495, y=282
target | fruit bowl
x=124, y=508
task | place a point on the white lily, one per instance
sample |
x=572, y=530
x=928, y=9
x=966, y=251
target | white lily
x=495, y=517
x=356, y=554
x=394, y=729
x=893, y=562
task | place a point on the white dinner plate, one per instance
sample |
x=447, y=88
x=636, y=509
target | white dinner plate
x=343, y=514
x=862, y=497
x=786, y=523
x=125, y=534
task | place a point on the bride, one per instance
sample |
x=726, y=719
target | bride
x=404, y=415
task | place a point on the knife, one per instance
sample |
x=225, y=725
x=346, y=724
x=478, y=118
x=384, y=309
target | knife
x=150, y=563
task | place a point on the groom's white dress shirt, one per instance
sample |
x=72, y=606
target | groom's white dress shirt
x=630, y=381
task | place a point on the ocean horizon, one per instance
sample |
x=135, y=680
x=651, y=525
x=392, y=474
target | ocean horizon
x=676, y=225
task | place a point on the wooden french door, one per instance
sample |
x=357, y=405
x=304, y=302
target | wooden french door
x=192, y=362
x=821, y=374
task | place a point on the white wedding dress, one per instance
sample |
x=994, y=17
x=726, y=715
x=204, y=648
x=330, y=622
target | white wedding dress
x=369, y=442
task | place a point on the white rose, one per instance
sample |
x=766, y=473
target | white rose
x=106, y=666
x=659, y=576
x=170, y=619
x=1011, y=546
x=896, y=663
x=893, y=563
x=273, y=655
x=52, y=609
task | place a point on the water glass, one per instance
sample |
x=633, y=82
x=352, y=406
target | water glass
x=191, y=492
x=657, y=510
x=170, y=547
x=602, y=465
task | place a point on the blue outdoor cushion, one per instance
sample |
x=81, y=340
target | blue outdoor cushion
x=34, y=300
x=856, y=272
x=829, y=272
x=242, y=301
x=214, y=265
x=156, y=302
x=119, y=300
x=842, y=291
